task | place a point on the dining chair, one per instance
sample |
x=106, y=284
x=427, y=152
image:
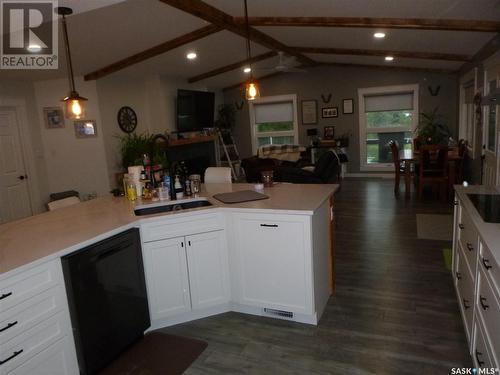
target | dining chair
x=433, y=168
x=217, y=175
x=399, y=166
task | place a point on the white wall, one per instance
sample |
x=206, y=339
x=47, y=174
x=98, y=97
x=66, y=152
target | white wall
x=72, y=163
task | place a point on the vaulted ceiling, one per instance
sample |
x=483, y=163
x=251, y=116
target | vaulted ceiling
x=137, y=37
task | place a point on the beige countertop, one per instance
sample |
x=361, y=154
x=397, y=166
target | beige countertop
x=489, y=232
x=67, y=229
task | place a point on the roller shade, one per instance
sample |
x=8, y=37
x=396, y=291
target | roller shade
x=391, y=102
x=273, y=112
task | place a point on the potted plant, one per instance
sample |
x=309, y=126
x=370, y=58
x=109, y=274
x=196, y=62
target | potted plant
x=432, y=129
x=225, y=120
x=134, y=146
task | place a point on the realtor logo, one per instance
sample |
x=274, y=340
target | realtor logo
x=29, y=34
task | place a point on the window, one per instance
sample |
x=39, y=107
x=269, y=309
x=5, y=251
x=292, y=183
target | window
x=274, y=121
x=467, y=115
x=386, y=113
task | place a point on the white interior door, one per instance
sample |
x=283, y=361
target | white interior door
x=15, y=200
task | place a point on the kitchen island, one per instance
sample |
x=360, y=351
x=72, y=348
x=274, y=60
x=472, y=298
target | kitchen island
x=271, y=257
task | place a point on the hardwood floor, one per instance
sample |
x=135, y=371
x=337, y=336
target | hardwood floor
x=394, y=312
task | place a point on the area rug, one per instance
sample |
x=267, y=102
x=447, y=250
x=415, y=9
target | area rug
x=435, y=227
x=157, y=353
x=447, y=257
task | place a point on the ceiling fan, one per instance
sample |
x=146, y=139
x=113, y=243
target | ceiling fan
x=286, y=64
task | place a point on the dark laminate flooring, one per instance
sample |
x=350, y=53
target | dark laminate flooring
x=395, y=310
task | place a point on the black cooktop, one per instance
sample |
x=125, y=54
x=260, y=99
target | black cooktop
x=488, y=206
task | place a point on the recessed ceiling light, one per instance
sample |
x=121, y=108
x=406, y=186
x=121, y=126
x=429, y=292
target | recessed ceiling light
x=34, y=48
x=389, y=58
x=247, y=69
x=191, y=55
x=379, y=35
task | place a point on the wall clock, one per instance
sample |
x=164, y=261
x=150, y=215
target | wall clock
x=127, y=119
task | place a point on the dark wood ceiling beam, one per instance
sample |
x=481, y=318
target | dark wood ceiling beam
x=236, y=65
x=372, y=52
x=153, y=51
x=213, y=15
x=382, y=23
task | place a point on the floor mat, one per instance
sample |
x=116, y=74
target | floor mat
x=435, y=227
x=157, y=354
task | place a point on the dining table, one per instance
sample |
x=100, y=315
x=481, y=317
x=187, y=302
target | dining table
x=411, y=158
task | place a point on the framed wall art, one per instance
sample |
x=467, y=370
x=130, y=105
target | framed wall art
x=348, y=106
x=85, y=128
x=329, y=112
x=54, y=117
x=309, y=112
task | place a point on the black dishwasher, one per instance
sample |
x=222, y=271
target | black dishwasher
x=107, y=298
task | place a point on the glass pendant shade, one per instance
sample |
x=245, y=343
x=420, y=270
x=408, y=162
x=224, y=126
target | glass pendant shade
x=75, y=106
x=252, y=90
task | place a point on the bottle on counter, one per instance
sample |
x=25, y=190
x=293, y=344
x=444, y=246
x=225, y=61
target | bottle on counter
x=131, y=191
x=188, y=189
x=179, y=190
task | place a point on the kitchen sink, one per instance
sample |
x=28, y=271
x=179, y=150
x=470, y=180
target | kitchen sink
x=157, y=208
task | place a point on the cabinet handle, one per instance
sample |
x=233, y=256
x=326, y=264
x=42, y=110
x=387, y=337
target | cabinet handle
x=8, y=326
x=479, y=362
x=465, y=302
x=182, y=244
x=269, y=225
x=461, y=226
x=14, y=355
x=189, y=243
x=470, y=247
x=482, y=300
x=5, y=295
x=486, y=264
x=459, y=275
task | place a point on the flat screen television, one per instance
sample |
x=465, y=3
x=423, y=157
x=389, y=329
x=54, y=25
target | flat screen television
x=195, y=110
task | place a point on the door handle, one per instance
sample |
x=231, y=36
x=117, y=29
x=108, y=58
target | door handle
x=482, y=300
x=486, y=264
x=15, y=354
x=22, y=177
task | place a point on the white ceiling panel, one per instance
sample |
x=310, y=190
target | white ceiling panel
x=467, y=9
x=396, y=39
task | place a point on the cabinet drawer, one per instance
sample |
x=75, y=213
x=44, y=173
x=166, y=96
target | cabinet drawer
x=30, y=312
x=480, y=350
x=490, y=267
x=181, y=226
x=465, y=289
x=468, y=238
x=30, y=283
x=58, y=359
x=489, y=309
x=24, y=346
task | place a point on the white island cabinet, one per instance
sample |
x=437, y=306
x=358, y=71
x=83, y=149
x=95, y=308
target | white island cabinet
x=187, y=275
x=476, y=273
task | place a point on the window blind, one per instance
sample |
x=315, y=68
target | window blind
x=390, y=102
x=273, y=112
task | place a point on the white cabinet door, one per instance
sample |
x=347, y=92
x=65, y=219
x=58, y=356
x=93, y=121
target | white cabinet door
x=208, y=269
x=167, y=277
x=274, y=264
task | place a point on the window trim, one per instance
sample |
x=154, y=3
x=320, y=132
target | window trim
x=384, y=90
x=465, y=81
x=273, y=99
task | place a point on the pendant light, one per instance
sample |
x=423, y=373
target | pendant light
x=74, y=103
x=252, y=90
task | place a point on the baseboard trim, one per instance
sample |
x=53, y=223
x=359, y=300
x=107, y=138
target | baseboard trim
x=372, y=175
